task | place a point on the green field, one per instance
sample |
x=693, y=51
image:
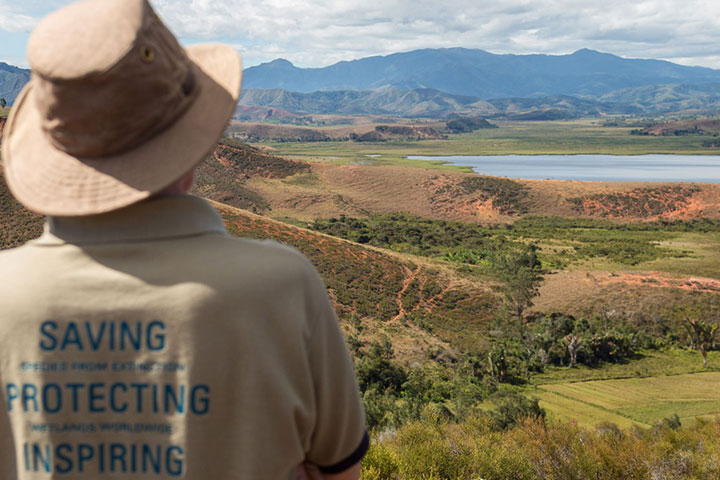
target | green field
x=528, y=138
x=634, y=400
x=643, y=391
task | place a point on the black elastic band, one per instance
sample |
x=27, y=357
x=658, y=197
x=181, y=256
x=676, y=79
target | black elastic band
x=354, y=457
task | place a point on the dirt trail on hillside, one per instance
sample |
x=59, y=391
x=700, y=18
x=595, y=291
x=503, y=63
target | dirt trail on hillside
x=410, y=276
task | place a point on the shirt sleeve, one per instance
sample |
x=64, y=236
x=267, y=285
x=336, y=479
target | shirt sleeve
x=339, y=439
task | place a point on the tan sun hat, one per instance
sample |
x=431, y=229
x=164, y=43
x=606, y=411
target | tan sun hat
x=115, y=110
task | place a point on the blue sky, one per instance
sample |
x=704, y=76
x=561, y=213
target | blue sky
x=315, y=33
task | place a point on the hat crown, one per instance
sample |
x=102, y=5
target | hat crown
x=86, y=37
x=107, y=76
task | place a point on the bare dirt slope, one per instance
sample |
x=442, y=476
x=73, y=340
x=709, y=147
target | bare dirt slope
x=647, y=297
x=361, y=190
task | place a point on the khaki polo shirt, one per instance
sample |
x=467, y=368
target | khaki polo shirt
x=147, y=343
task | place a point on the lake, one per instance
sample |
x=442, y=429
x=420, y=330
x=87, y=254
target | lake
x=615, y=168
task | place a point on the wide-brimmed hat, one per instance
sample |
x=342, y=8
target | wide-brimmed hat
x=115, y=110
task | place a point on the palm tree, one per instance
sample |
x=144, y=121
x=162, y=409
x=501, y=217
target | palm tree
x=702, y=336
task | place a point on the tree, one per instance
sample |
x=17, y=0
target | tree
x=497, y=364
x=573, y=345
x=512, y=407
x=521, y=274
x=702, y=336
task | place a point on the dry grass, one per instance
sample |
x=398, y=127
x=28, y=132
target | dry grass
x=359, y=190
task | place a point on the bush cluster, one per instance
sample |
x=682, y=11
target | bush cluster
x=640, y=202
x=432, y=448
x=468, y=124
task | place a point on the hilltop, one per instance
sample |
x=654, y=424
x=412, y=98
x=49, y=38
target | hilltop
x=682, y=127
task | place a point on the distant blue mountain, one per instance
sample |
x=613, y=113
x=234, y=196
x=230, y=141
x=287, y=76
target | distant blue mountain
x=481, y=74
x=12, y=79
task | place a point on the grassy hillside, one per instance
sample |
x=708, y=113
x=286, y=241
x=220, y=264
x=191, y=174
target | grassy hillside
x=360, y=190
x=381, y=293
x=17, y=224
x=376, y=291
x=361, y=178
x=224, y=174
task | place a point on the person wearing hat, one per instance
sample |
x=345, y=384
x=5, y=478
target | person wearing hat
x=138, y=339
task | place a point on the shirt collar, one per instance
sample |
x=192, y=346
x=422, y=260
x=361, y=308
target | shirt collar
x=159, y=218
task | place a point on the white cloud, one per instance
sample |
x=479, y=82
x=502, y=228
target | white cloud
x=13, y=22
x=321, y=32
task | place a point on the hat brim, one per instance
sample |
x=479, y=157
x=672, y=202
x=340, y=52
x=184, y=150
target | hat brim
x=52, y=182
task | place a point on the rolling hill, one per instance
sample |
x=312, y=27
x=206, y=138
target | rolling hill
x=383, y=101
x=423, y=103
x=663, y=98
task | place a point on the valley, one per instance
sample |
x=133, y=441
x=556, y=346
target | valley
x=642, y=253
x=465, y=297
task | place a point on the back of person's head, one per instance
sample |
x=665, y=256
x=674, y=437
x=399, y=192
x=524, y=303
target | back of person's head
x=115, y=111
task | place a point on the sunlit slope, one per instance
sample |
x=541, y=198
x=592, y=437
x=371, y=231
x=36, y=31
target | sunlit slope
x=257, y=180
x=420, y=308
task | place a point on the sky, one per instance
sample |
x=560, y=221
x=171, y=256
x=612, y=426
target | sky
x=317, y=33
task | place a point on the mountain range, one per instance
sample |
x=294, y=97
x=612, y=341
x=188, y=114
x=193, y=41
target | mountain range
x=481, y=74
x=442, y=82
x=12, y=79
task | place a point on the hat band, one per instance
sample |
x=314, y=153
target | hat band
x=105, y=119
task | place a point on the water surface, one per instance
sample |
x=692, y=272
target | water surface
x=615, y=168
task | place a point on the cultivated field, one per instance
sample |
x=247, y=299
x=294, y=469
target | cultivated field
x=644, y=401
